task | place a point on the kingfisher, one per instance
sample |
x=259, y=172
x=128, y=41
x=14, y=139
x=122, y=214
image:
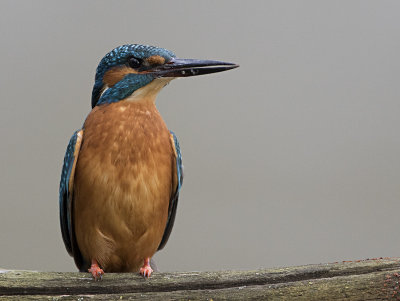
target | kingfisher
x=122, y=170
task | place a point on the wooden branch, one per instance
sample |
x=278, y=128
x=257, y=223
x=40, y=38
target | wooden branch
x=376, y=279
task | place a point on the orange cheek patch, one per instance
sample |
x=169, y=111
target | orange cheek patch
x=156, y=60
x=114, y=75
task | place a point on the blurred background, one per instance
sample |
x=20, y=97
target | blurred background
x=291, y=159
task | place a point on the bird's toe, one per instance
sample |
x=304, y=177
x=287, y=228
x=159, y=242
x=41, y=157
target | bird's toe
x=146, y=269
x=96, y=271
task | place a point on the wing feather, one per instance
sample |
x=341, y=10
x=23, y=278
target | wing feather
x=66, y=193
x=173, y=203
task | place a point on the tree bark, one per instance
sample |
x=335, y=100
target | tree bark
x=374, y=279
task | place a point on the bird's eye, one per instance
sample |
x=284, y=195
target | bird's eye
x=134, y=62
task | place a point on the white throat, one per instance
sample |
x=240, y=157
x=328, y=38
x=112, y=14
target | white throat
x=150, y=91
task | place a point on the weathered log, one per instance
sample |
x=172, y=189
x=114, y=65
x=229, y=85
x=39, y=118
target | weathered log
x=375, y=279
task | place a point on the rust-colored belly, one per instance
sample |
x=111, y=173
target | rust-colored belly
x=122, y=185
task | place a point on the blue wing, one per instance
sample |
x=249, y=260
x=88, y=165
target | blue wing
x=66, y=192
x=173, y=203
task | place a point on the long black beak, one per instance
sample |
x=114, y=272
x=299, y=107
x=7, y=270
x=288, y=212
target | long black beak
x=189, y=67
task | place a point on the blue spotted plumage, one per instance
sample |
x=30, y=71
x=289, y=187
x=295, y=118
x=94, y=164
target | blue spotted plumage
x=118, y=56
x=122, y=171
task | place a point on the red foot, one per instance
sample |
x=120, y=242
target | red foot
x=146, y=269
x=96, y=271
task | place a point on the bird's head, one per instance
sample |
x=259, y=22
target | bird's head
x=136, y=71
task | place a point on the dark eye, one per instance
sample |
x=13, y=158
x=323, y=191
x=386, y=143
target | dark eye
x=134, y=62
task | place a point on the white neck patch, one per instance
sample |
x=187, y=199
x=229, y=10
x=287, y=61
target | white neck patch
x=150, y=91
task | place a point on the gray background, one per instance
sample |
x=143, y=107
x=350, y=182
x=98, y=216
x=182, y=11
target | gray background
x=291, y=159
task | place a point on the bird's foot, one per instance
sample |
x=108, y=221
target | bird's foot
x=96, y=271
x=146, y=269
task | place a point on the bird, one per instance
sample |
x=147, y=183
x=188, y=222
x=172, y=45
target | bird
x=122, y=170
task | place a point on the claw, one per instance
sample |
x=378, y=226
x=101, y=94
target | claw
x=146, y=269
x=96, y=271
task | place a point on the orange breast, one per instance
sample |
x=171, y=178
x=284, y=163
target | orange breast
x=122, y=185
